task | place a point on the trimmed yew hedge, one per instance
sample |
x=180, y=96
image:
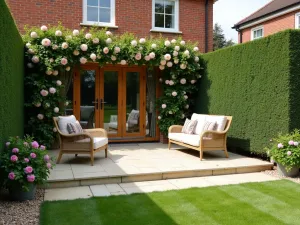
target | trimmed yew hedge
x=11, y=74
x=258, y=83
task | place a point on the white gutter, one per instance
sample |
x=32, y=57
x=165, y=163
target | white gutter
x=270, y=17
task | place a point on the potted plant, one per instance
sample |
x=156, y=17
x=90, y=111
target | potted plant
x=24, y=164
x=285, y=151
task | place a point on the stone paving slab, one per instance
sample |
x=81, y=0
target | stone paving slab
x=150, y=186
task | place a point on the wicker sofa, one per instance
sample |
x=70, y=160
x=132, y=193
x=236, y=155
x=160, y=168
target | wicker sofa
x=203, y=141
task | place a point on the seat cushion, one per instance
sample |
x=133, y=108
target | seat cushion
x=98, y=141
x=220, y=121
x=192, y=139
x=63, y=121
x=176, y=136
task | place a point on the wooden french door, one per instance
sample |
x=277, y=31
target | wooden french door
x=113, y=98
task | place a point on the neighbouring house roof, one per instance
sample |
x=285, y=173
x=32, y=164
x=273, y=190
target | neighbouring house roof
x=271, y=9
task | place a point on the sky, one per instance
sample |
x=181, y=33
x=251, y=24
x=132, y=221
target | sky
x=229, y=12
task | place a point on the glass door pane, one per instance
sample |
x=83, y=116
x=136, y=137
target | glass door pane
x=133, y=102
x=87, y=99
x=109, y=102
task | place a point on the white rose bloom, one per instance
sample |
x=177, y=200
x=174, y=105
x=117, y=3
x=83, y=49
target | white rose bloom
x=173, y=41
x=108, y=33
x=55, y=72
x=29, y=65
x=196, y=59
x=113, y=58
x=141, y=48
x=167, y=43
x=58, y=33
x=186, y=53
x=161, y=67
x=169, y=64
x=56, y=109
x=177, y=48
x=196, y=49
x=159, y=117
x=167, y=57
x=96, y=40
x=33, y=35
x=176, y=61
x=175, y=53
x=58, y=82
x=93, y=56
x=28, y=45
x=54, y=47
x=108, y=41
x=68, y=37
x=83, y=47
x=134, y=43
x=49, y=72
x=88, y=36
x=44, y=28
x=54, y=129
x=153, y=46
x=66, y=103
x=76, y=52
x=163, y=62
x=38, y=104
x=64, y=45
x=75, y=32
x=83, y=60
x=152, y=55
x=187, y=106
x=105, y=50
x=123, y=62
x=142, y=40
x=147, y=58
x=183, y=66
x=30, y=51
x=182, y=42
x=40, y=116
x=117, y=49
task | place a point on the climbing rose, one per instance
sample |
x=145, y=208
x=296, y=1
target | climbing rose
x=46, y=42
x=174, y=93
x=175, y=53
x=68, y=68
x=147, y=57
x=164, y=106
x=55, y=72
x=142, y=40
x=26, y=160
x=185, y=97
x=170, y=112
x=93, y=56
x=289, y=153
x=58, y=33
x=176, y=61
x=108, y=33
x=96, y=40
x=163, y=62
x=187, y=106
x=291, y=142
x=196, y=49
x=183, y=81
x=44, y=93
x=30, y=51
x=177, y=48
x=152, y=55
x=29, y=65
x=40, y=116
x=182, y=66
x=196, y=59
x=134, y=43
x=35, y=59
x=14, y=158
x=167, y=82
x=117, y=50
x=75, y=32
x=159, y=117
x=171, y=83
x=167, y=57
x=38, y=104
x=54, y=47
x=173, y=41
x=46, y=158
x=83, y=60
x=52, y=90
x=75, y=52
x=88, y=36
x=11, y=175
x=56, y=109
x=30, y=178
x=108, y=41
x=64, y=61
x=64, y=45
x=32, y=155
x=161, y=67
x=138, y=56
x=44, y=28
x=167, y=43
x=169, y=64
x=160, y=80
x=193, y=81
x=15, y=150
x=26, y=144
x=123, y=62
x=33, y=35
x=58, y=82
x=182, y=42
x=43, y=147
x=105, y=50
x=49, y=72
x=186, y=53
x=153, y=46
x=84, y=47
x=28, y=169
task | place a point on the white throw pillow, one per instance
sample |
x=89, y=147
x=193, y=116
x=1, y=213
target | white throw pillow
x=63, y=121
x=189, y=126
x=220, y=121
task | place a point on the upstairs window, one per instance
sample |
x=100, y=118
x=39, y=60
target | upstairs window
x=297, y=21
x=99, y=12
x=165, y=15
x=257, y=33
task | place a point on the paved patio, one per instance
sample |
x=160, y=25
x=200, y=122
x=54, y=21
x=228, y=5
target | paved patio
x=147, y=161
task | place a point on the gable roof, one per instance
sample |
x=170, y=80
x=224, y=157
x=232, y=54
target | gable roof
x=272, y=7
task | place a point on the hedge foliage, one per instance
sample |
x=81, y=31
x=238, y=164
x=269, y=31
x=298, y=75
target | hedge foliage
x=258, y=83
x=12, y=75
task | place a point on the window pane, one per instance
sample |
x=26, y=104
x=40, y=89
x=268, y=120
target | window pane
x=159, y=6
x=169, y=21
x=92, y=14
x=169, y=7
x=92, y=2
x=105, y=3
x=104, y=15
x=159, y=20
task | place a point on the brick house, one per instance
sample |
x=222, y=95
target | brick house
x=111, y=96
x=191, y=19
x=275, y=16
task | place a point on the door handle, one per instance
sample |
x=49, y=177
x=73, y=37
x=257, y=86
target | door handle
x=101, y=103
x=96, y=103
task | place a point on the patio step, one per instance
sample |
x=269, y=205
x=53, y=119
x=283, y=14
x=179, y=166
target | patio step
x=165, y=175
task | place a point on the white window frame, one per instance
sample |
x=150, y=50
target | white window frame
x=94, y=23
x=176, y=22
x=297, y=20
x=256, y=29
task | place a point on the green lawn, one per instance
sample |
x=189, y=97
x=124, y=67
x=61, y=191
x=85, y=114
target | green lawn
x=275, y=202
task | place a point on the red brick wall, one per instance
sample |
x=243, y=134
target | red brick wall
x=275, y=25
x=133, y=16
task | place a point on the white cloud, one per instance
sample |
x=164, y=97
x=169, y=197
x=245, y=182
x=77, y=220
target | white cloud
x=229, y=12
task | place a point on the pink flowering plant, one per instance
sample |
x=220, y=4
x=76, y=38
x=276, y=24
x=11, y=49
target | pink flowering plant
x=24, y=162
x=285, y=149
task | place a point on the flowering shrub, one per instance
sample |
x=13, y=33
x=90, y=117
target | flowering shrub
x=52, y=53
x=285, y=150
x=24, y=161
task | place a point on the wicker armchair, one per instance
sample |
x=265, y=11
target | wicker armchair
x=88, y=142
x=206, y=141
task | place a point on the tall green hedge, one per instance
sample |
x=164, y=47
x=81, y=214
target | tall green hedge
x=11, y=77
x=258, y=83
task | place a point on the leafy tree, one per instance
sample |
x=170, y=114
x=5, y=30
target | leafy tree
x=219, y=38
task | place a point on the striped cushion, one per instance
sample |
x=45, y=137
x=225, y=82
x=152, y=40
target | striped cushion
x=209, y=126
x=189, y=126
x=74, y=128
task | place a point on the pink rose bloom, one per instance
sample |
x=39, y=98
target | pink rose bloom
x=14, y=158
x=108, y=33
x=49, y=165
x=35, y=59
x=83, y=60
x=113, y=58
x=167, y=57
x=26, y=160
x=46, y=42
x=44, y=93
x=289, y=153
x=46, y=158
x=58, y=33
x=42, y=147
x=152, y=55
x=52, y=90
x=171, y=82
x=183, y=81
x=84, y=47
x=167, y=82
x=93, y=56
x=28, y=169
x=193, y=81
x=64, y=61
x=138, y=56
x=174, y=93
x=117, y=50
x=64, y=45
x=164, y=106
x=15, y=150
x=7, y=144
x=163, y=62
x=11, y=175
x=291, y=142
x=169, y=64
x=280, y=145
x=40, y=116
x=88, y=36
x=30, y=178
x=35, y=144
x=44, y=28
x=147, y=58
x=32, y=155
x=105, y=50
x=75, y=32
x=96, y=40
